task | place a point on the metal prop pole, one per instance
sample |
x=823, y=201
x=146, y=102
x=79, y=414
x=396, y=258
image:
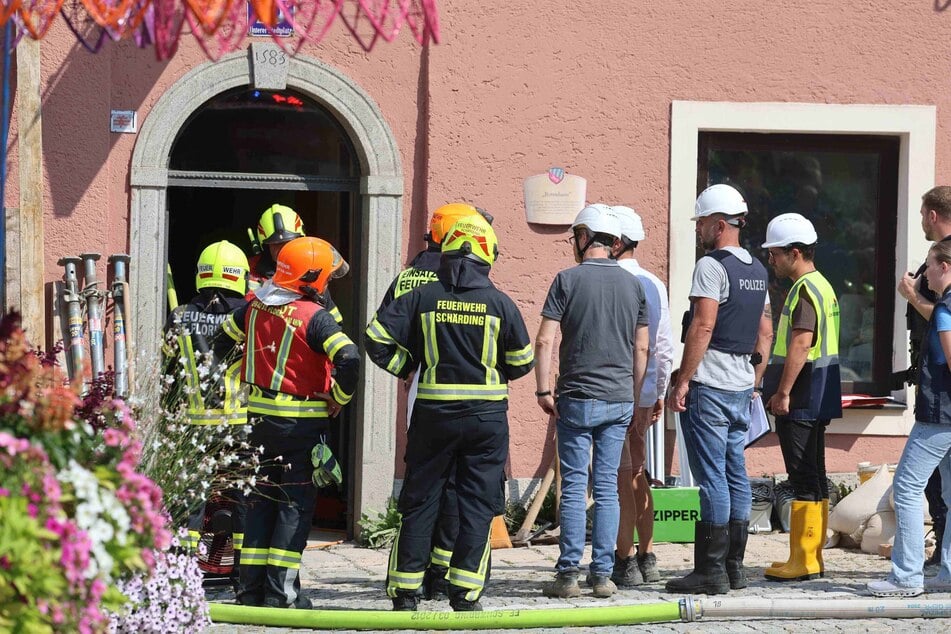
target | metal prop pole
x=74, y=316
x=119, y=263
x=93, y=296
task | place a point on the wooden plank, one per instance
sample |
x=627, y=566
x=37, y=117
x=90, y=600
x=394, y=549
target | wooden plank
x=30, y=298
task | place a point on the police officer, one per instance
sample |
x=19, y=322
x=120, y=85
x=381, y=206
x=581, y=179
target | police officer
x=727, y=335
x=936, y=224
x=302, y=370
x=803, y=389
x=469, y=341
x=422, y=270
x=278, y=225
x=193, y=344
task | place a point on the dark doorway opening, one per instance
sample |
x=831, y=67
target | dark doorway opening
x=242, y=152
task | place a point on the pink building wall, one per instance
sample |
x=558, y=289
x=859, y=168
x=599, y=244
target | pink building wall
x=514, y=89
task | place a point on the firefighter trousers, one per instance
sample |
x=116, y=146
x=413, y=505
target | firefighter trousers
x=475, y=447
x=280, y=511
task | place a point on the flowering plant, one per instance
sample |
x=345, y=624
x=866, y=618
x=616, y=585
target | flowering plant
x=167, y=598
x=75, y=515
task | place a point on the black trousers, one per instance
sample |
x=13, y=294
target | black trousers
x=803, y=443
x=280, y=512
x=447, y=528
x=936, y=506
x=475, y=448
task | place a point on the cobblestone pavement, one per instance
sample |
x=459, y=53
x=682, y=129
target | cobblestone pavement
x=347, y=577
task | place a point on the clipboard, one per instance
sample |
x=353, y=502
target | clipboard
x=759, y=422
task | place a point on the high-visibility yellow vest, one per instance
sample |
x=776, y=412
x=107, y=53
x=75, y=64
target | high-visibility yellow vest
x=817, y=392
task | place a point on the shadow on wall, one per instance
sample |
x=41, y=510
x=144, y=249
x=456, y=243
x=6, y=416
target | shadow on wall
x=77, y=101
x=941, y=5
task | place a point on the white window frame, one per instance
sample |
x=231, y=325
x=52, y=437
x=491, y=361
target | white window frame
x=914, y=125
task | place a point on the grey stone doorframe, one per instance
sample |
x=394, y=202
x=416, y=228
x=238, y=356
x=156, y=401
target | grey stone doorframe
x=381, y=189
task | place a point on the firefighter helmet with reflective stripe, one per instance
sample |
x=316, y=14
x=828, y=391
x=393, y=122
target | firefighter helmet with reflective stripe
x=279, y=223
x=222, y=265
x=474, y=238
x=306, y=265
x=447, y=215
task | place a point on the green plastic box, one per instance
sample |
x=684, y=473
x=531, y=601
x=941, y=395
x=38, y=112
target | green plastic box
x=675, y=511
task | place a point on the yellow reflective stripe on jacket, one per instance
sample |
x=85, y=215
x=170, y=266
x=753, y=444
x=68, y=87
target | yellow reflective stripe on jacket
x=284, y=405
x=339, y=395
x=440, y=557
x=230, y=327
x=236, y=395
x=490, y=349
x=462, y=392
x=379, y=334
x=334, y=343
x=250, y=348
x=280, y=362
x=520, y=357
x=218, y=417
x=254, y=556
x=430, y=348
x=283, y=558
x=192, y=380
x=825, y=351
x=192, y=539
x=335, y=313
x=237, y=540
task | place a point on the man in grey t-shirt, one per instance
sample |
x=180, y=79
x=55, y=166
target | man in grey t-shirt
x=602, y=312
x=726, y=341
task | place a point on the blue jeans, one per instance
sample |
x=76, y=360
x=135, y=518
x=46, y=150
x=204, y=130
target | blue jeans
x=581, y=423
x=714, y=428
x=928, y=446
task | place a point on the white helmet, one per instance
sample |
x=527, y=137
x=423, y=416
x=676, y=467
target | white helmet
x=719, y=199
x=631, y=226
x=598, y=218
x=787, y=229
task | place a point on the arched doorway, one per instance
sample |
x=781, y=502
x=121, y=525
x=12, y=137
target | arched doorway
x=367, y=206
x=241, y=152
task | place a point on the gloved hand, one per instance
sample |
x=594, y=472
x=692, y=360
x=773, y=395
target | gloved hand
x=326, y=468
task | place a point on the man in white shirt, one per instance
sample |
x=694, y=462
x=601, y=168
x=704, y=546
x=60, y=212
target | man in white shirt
x=634, y=493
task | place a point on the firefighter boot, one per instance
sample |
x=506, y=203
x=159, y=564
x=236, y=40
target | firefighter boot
x=435, y=585
x=805, y=541
x=711, y=544
x=739, y=533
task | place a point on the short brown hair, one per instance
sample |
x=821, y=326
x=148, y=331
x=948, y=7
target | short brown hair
x=938, y=199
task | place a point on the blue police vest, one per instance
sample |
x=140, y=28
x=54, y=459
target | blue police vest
x=737, y=326
x=933, y=396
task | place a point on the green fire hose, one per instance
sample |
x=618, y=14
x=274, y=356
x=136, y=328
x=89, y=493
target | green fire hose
x=500, y=619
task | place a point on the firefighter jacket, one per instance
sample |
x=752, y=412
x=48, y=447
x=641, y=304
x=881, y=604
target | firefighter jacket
x=468, y=338
x=422, y=270
x=262, y=269
x=817, y=392
x=207, y=357
x=291, y=351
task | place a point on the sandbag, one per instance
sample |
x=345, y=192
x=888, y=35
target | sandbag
x=879, y=529
x=853, y=511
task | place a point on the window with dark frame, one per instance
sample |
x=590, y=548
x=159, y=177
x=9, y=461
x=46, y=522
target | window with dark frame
x=847, y=185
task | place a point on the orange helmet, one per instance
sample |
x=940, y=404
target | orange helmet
x=446, y=216
x=306, y=265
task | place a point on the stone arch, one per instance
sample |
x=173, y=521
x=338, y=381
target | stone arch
x=381, y=190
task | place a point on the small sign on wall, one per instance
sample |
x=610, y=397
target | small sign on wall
x=554, y=198
x=257, y=28
x=123, y=121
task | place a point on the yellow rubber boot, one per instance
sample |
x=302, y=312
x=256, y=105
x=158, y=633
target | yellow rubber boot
x=825, y=529
x=804, y=543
